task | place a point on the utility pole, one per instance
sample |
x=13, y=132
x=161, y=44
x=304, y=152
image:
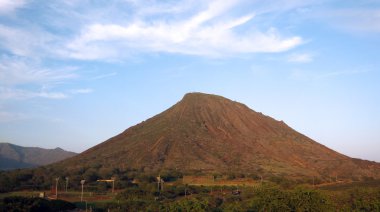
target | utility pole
x=158, y=183
x=56, y=187
x=67, y=182
x=81, y=196
x=113, y=184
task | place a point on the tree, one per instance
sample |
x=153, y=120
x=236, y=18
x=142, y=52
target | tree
x=269, y=198
x=303, y=199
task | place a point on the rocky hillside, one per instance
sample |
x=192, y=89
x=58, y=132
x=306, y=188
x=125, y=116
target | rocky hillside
x=212, y=134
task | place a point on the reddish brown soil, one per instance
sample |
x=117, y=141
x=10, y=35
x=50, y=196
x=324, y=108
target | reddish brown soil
x=209, y=133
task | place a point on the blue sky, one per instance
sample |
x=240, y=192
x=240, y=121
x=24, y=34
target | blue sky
x=74, y=73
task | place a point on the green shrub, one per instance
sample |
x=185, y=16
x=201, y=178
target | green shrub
x=18, y=203
x=303, y=199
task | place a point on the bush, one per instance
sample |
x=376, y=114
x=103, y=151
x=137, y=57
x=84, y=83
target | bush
x=186, y=205
x=269, y=198
x=364, y=200
x=133, y=193
x=34, y=204
x=303, y=199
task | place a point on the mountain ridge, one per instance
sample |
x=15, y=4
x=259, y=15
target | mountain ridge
x=15, y=157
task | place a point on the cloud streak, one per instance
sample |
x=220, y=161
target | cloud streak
x=7, y=93
x=81, y=91
x=20, y=76
x=29, y=41
x=20, y=70
x=206, y=32
x=300, y=58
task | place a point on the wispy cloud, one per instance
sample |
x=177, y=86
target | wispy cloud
x=119, y=29
x=20, y=70
x=11, y=93
x=300, y=58
x=22, y=78
x=115, y=31
x=102, y=76
x=211, y=28
x=81, y=91
x=29, y=41
x=206, y=32
x=8, y=93
x=8, y=6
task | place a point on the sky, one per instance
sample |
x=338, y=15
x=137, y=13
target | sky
x=74, y=73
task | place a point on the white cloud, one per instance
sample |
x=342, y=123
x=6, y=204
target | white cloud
x=8, y=93
x=81, y=91
x=18, y=70
x=207, y=32
x=7, y=6
x=300, y=58
x=20, y=79
x=29, y=41
x=116, y=30
x=50, y=95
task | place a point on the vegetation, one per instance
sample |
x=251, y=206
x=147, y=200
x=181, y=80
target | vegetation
x=211, y=129
x=138, y=191
x=18, y=203
x=265, y=196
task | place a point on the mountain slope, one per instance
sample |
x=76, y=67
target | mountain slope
x=209, y=133
x=14, y=157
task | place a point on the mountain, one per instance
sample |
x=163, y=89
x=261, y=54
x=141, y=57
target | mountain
x=211, y=134
x=16, y=157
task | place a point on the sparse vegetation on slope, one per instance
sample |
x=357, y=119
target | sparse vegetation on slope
x=207, y=134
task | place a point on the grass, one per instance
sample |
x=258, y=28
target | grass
x=207, y=181
x=351, y=185
x=71, y=196
x=20, y=193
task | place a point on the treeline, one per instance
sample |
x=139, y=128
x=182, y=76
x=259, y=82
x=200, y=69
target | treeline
x=43, y=178
x=140, y=191
x=265, y=197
